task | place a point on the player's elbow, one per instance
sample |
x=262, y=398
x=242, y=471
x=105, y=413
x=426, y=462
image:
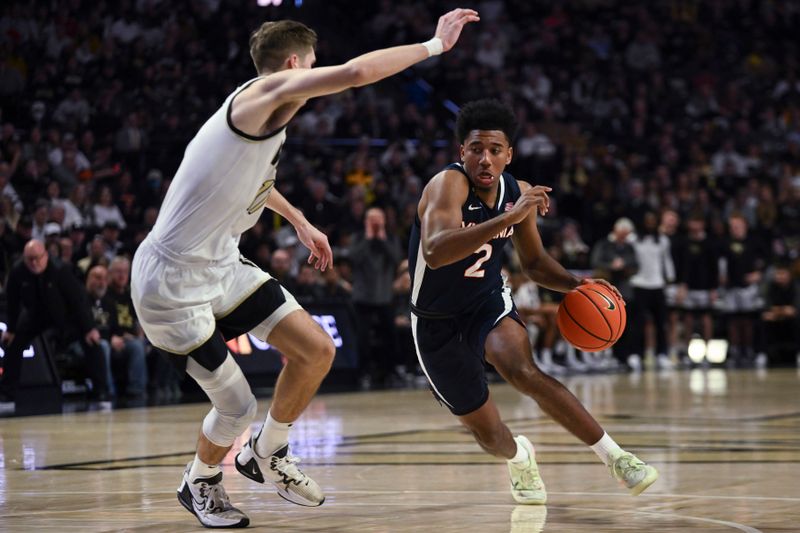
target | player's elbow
x=358, y=74
x=432, y=258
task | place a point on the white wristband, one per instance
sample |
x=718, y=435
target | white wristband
x=434, y=46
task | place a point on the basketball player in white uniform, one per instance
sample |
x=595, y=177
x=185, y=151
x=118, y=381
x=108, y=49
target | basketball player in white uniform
x=192, y=289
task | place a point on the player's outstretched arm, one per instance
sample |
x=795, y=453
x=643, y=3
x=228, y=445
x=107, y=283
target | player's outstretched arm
x=293, y=85
x=313, y=239
x=536, y=262
x=444, y=241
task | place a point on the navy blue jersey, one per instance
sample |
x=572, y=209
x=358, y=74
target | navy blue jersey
x=459, y=287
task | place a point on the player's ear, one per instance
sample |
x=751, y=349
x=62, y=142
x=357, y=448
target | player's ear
x=293, y=61
x=510, y=155
x=461, y=152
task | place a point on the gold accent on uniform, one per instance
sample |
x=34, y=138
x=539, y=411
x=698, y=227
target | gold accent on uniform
x=261, y=196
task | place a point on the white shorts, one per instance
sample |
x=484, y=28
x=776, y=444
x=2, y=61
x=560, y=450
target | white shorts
x=671, y=295
x=178, y=303
x=742, y=299
x=697, y=300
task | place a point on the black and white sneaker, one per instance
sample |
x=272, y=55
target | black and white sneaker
x=206, y=499
x=281, y=470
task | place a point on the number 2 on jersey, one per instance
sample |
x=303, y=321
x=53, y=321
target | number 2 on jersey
x=475, y=271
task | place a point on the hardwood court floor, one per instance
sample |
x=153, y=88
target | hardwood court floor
x=727, y=445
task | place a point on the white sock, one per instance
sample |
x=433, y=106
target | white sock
x=201, y=470
x=521, y=455
x=273, y=436
x=606, y=449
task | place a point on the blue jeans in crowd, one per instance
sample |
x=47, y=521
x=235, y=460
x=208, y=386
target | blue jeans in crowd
x=135, y=362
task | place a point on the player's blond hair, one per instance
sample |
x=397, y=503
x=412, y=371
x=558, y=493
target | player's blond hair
x=274, y=42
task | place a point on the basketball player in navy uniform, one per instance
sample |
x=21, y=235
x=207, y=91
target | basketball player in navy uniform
x=462, y=312
x=192, y=289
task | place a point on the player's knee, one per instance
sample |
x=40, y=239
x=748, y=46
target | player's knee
x=327, y=353
x=317, y=354
x=223, y=425
x=519, y=374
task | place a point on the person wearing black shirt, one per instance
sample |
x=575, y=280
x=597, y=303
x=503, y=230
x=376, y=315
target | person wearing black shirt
x=698, y=276
x=780, y=314
x=742, y=263
x=43, y=294
x=111, y=292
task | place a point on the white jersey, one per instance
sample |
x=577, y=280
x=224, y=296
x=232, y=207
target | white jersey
x=220, y=188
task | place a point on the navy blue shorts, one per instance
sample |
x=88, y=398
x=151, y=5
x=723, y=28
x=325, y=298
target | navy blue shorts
x=452, y=351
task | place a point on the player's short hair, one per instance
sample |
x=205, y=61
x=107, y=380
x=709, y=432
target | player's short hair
x=273, y=42
x=486, y=114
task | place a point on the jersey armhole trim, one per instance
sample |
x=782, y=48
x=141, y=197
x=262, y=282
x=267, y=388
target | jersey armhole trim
x=239, y=132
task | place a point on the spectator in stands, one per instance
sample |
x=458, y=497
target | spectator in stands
x=40, y=213
x=127, y=338
x=780, y=315
x=614, y=259
x=540, y=321
x=375, y=256
x=656, y=270
x=407, y=363
x=105, y=210
x=742, y=263
x=97, y=255
x=699, y=279
x=334, y=287
x=307, y=288
x=43, y=295
x=280, y=269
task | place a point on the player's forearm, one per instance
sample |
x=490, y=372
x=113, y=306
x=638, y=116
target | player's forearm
x=380, y=64
x=451, y=245
x=547, y=272
x=278, y=203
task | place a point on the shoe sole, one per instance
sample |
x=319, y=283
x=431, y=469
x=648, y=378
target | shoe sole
x=649, y=479
x=244, y=522
x=252, y=473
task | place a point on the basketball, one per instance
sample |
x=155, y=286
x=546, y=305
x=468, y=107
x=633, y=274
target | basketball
x=591, y=317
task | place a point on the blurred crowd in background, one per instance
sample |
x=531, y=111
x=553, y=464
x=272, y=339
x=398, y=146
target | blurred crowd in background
x=669, y=131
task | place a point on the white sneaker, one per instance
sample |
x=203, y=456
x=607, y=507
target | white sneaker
x=632, y=472
x=761, y=360
x=664, y=362
x=207, y=500
x=280, y=469
x=635, y=363
x=526, y=484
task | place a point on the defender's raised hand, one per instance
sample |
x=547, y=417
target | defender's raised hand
x=451, y=24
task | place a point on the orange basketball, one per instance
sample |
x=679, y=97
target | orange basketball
x=591, y=317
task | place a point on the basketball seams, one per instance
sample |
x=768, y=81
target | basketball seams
x=612, y=335
x=566, y=309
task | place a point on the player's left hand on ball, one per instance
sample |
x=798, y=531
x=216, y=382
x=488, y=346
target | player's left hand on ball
x=603, y=282
x=317, y=243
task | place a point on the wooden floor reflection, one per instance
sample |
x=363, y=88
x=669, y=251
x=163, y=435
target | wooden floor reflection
x=727, y=444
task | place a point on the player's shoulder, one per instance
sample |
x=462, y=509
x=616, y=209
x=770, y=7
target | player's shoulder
x=452, y=177
x=447, y=188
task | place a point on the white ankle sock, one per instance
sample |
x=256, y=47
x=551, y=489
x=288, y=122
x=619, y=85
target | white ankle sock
x=201, y=470
x=273, y=436
x=606, y=449
x=521, y=455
